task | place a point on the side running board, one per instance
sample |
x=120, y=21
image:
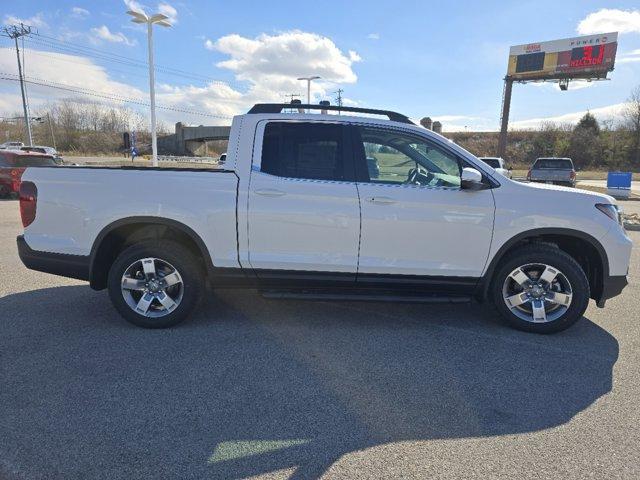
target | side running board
x=366, y=297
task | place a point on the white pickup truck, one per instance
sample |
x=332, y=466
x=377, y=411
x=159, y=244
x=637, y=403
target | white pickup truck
x=327, y=206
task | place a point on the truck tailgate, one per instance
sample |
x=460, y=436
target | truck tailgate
x=551, y=175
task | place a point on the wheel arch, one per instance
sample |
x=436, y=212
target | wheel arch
x=584, y=248
x=126, y=231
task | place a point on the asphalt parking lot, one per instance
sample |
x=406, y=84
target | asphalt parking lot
x=295, y=389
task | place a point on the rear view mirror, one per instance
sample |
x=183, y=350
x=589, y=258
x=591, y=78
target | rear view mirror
x=471, y=179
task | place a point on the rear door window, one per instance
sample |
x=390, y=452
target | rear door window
x=305, y=150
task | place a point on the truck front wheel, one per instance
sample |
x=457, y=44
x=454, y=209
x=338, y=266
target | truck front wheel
x=155, y=284
x=541, y=289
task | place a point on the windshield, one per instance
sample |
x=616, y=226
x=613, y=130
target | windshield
x=492, y=162
x=557, y=163
x=34, y=161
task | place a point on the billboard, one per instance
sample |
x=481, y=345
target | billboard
x=591, y=56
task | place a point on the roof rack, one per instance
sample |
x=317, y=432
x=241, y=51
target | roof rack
x=278, y=107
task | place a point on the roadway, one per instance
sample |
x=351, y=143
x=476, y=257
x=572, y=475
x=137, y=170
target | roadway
x=255, y=388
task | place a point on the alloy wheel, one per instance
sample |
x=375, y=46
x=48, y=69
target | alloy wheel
x=537, y=293
x=152, y=287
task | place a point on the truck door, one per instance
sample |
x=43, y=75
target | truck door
x=416, y=220
x=303, y=205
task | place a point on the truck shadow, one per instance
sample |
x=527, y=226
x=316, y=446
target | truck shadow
x=250, y=386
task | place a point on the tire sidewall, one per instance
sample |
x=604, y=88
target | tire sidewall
x=557, y=259
x=180, y=259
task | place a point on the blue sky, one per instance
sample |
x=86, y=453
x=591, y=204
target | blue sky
x=442, y=59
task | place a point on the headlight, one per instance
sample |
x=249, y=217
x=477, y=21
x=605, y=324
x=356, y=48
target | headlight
x=611, y=211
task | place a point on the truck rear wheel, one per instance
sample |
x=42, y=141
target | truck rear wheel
x=155, y=284
x=540, y=289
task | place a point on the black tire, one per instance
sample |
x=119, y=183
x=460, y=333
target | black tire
x=560, y=260
x=177, y=256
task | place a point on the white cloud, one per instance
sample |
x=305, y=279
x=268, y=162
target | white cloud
x=373, y=36
x=268, y=66
x=35, y=21
x=60, y=68
x=573, y=84
x=79, y=12
x=354, y=57
x=133, y=5
x=209, y=45
x=610, y=20
x=272, y=63
x=462, y=123
x=169, y=11
x=629, y=57
x=103, y=33
x=610, y=112
x=288, y=54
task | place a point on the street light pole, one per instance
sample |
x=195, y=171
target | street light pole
x=152, y=93
x=159, y=19
x=309, y=79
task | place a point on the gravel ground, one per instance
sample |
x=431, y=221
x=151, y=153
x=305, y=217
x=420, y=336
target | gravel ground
x=293, y=389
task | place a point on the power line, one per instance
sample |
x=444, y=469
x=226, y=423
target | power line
x=113, y=97
x=65, y=47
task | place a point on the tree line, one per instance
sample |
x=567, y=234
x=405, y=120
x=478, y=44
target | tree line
x=80, y=128
x=89, y=128
x=592, y=144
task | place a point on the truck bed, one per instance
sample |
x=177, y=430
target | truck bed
x=76, y=203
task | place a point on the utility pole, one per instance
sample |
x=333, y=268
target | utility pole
x=504, y=119
x=15, y=32
x=53, y=138
x=339, y=93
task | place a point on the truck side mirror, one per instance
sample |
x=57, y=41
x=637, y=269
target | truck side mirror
x=471, y=179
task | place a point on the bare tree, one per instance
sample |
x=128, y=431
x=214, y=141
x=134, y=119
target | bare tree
x=631, y=114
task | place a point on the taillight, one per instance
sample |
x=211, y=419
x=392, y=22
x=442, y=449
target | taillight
x=15, y=172
x=572, y=175
x=529, y=175
x=28, y=202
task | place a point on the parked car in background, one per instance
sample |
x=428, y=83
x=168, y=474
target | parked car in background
x=296, y=212
x=222, y=159
x=13, y=163
x=11, y=145
x=46, y=150
x=498, y=165
x=557, y=171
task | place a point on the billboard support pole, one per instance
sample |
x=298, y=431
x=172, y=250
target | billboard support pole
x=504, y=119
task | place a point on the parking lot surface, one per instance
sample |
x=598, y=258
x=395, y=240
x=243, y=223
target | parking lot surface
x=297, y=389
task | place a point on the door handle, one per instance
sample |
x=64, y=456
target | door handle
x=381, y=200
x=269, y=192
